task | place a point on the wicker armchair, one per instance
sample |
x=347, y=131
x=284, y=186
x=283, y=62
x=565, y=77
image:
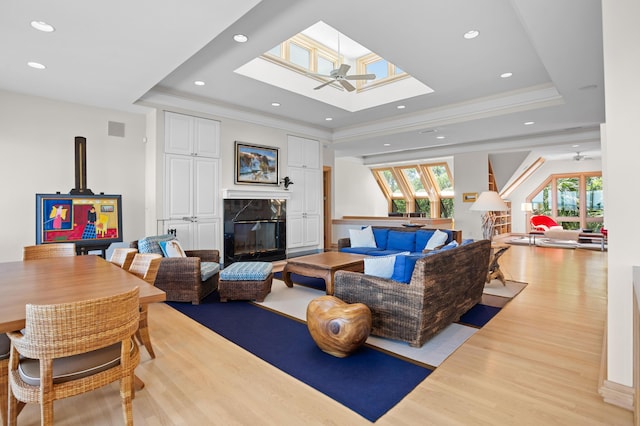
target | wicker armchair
x=98, y=334
x=123, y=257
x=180, y=277
x=5, y=344
x=443, y=286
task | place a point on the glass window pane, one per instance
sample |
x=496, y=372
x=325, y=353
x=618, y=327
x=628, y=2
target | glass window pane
x=399, y=206
x=325, y=66
x=541, y=202
x=423, y=205
x=442, y=180
x=594, y=201
x=446, y=207
x=413, y=178
x=276, y=51
x=393, y=186
x=299, y=55
x=568, y=197
x=379, y=68
x=399, y=71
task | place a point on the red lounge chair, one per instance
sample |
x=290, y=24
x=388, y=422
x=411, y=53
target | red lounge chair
x=543, y=223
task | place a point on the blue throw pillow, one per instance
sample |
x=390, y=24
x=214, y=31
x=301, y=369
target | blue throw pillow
x=403, y=268
x=401, y=240
x=380, y=236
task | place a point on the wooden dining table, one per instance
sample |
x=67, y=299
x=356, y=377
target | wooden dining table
x=62, y=280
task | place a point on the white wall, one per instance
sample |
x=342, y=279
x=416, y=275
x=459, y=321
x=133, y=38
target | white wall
x=621, y=173
x=356, y=191
x=472, y=176
x=38, y=156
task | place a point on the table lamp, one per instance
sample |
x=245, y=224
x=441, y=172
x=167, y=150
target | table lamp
x=526, y=208
x=488, y=202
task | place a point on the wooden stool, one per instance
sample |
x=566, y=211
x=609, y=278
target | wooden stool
x=338, y=328
x=245, y=281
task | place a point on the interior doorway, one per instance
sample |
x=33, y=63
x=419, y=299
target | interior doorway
x=326, y=206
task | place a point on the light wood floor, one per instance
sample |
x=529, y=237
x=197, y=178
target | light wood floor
x=536, y=362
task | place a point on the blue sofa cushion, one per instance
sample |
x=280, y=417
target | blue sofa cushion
x=422, y=236
x=381, y=236
x=403, y=268
x=371, y=251
x=403, y=241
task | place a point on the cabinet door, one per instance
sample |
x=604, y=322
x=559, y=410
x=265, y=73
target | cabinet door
x=205, y=182
x=206, y=234
x=302, y=152
x=178, y=187
x=206, y=138
x=178, y=133
x=295, y=231
x=311, y=230
x=296, y=203
x=312, y=191
x=183, y=231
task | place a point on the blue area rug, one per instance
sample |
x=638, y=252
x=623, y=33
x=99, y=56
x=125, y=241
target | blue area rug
x=368, y=382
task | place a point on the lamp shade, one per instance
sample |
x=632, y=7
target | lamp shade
x=489, y=201
x=526, y=207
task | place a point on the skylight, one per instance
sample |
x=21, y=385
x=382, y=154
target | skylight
x=320, y=49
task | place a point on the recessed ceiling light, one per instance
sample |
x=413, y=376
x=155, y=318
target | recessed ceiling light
x=439, y=137
x=241, y=38
x=529, y=123
x=328, y=119
x=42, y=26
x=386, y=144
x=471, y=34
x=199, y=83
x=575, y=146
x=506, y=74
x=401, y=107
x=36, y=65
x=275, y=104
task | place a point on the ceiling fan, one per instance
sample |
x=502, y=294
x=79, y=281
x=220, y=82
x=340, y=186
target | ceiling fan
x=580, y=157
x=340, y=75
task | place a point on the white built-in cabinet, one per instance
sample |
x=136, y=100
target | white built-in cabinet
x=305, y=203
x=192, y=180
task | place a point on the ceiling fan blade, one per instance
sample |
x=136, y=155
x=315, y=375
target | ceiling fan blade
x=361, y=77
x=343, y=69
x=324, y=84
x=347, y=85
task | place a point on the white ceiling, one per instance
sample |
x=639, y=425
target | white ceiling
x=117, y=53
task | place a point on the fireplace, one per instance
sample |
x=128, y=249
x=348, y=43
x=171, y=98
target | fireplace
x=254, y=229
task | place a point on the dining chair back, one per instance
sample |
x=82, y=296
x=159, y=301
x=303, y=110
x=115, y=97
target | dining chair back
x=45, y=251
x=123, y=256
x=71, y=348
x=145, y=266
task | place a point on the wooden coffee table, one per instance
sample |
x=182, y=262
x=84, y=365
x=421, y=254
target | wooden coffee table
x=322, y=265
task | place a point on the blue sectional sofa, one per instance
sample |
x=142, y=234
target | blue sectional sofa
x=394, y=240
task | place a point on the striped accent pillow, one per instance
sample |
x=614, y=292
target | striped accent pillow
x=152, y=244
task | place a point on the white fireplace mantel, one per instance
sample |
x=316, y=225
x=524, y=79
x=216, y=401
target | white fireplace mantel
x=249, y=194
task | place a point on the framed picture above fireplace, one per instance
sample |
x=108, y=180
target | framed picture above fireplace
x=256, y=164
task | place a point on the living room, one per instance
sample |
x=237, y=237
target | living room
x=37, y=139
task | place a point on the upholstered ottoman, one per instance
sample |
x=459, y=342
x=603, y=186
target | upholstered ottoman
x=337, y=327
x=245, y=281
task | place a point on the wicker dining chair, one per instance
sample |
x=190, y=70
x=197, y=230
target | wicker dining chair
x=45, y=251
x=5, y=344
x=123, y=256
x=145, y=266
x=71, y=348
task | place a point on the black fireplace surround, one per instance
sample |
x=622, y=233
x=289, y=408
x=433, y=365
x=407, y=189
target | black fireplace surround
x=254, y=229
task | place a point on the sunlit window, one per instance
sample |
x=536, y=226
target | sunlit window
x=418, y=189
x=384, y=70
x=299, y=55
x=574, y=201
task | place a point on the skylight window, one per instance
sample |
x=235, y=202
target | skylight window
x=320, y=49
